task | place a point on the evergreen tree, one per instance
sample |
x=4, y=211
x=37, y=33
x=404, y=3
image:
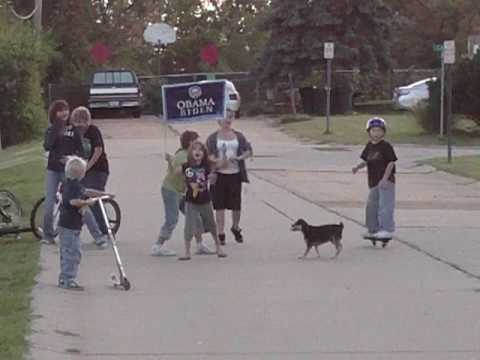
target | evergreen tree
x=361, y=31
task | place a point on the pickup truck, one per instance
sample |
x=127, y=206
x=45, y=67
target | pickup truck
x=115, y=90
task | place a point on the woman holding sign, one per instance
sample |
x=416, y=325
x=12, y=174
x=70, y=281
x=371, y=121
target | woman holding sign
x=228, y=149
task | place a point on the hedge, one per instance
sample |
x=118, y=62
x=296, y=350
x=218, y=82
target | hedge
x=23, y=61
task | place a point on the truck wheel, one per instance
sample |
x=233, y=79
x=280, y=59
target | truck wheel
x=136, y=114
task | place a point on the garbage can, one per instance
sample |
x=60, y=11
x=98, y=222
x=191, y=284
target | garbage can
x=319, y=101
x=306, y=93
x=342, y=100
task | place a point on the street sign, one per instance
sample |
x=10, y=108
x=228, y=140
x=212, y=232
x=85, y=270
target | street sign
x=449, y=52
x=329, y=50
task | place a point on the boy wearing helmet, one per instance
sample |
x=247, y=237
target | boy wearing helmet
x=379, y=158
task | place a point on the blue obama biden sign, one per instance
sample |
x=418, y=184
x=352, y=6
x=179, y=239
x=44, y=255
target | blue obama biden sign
x=204, y=100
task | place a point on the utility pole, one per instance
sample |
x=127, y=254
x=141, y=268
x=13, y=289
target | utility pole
x=37, y=16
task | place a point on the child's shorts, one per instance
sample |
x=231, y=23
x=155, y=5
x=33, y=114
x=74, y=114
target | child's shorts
x=193, y=214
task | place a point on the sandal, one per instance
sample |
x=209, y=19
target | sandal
x=184, y=258
x=222, y=255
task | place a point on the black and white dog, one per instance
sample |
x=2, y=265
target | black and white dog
x=318, y=235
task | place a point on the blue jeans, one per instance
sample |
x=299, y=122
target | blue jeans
x=70, y=255
x=381, y=208
x=52, y=180
x=96, y=180
x=171, y=201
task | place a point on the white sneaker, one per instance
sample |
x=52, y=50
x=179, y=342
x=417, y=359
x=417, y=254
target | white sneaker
x=102, y=243
x=204, y=250
x=382, y=234
x=161, y=250
x=367, y=235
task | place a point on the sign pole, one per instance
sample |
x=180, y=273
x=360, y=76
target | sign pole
x=328, y=89
x=328, y=54
x=448, y=59
x=449, y=114
x=37, y=17
x=442, y=99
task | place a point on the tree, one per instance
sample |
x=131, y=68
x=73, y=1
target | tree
x=361, y=31
x=446, y=19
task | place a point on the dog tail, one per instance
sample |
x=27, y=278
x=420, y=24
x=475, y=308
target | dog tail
x=341, y=225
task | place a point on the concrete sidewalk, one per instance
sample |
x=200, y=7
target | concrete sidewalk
x=262, y=302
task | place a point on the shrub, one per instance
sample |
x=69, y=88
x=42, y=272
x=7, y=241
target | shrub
x=152, y=91
x=466, y=87
x=465, y=92
x=23, y=61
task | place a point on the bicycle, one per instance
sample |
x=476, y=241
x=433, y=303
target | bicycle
x=112, y=210
x=10, y=214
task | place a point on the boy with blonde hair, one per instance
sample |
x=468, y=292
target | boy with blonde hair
x=74, y=202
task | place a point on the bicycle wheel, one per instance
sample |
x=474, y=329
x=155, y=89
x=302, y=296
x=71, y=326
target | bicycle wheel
x=37, y=217
x=114, y=214
x=10, y=210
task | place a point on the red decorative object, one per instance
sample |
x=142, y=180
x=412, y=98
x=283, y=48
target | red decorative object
x=100, y=53
x=210, y=54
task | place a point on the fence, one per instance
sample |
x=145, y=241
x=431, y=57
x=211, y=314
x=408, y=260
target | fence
x=253, y=93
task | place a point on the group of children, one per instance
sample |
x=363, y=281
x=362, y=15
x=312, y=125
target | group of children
x=186, y=188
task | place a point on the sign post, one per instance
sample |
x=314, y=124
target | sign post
x=328, y=54
x=448, y=58
x=442, y=99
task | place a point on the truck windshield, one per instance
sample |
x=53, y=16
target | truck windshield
x=113, y=77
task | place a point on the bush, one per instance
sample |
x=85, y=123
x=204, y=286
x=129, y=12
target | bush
x=23, y=61
x=152, y=91
x=466, y=96
x=466, y=87
x=428, y=113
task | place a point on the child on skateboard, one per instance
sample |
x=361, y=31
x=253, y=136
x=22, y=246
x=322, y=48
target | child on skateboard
x=379, y=158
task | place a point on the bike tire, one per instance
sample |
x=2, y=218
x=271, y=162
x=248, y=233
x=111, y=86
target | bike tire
x=36, y=227
x=12, y=207
x=36, y=217
x=116, y=219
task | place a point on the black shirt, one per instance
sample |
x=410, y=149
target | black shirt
x=70, y=216
x=196, y=176
x=377, y=157
x=92, y=139
x=60, y=144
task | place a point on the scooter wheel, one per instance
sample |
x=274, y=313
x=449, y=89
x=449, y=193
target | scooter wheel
x=126, y=284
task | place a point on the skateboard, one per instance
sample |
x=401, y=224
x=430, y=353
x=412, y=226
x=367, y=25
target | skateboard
x=375, y=241
x=121, y=281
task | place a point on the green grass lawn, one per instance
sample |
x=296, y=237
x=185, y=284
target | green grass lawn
x=468, y=166
x=21, y=172
x=402, y=128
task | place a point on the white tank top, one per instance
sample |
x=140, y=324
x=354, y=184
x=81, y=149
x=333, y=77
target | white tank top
x=226, y=150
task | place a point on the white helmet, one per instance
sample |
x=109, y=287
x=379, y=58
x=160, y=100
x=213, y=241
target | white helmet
x=376, y=122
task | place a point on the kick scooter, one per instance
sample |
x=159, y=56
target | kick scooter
x=121, y=281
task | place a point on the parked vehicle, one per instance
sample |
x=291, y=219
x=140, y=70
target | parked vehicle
x=409, y=96
x=115, y=90
x=233, y=98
